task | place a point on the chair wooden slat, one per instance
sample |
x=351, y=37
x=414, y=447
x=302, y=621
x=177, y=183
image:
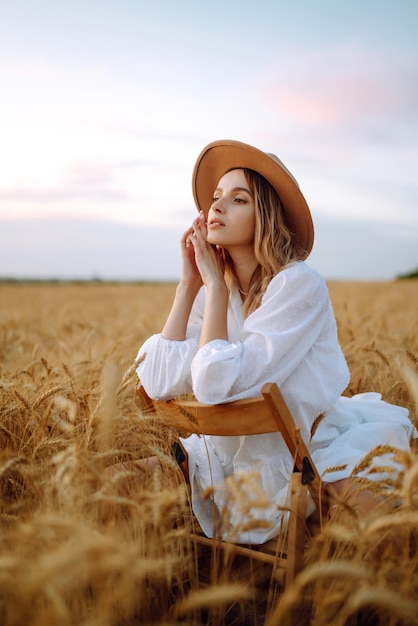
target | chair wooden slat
x=294, y=442
x=246, y=417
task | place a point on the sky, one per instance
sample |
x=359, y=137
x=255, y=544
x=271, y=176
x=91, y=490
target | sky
x=105, y=106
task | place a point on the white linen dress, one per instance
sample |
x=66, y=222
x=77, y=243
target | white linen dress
x=291, y=339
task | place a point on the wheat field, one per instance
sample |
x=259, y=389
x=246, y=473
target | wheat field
x=74, y=552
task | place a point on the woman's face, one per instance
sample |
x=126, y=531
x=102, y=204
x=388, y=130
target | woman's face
x=231, y=217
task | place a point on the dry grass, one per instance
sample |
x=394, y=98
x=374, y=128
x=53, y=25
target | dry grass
x=74, y=552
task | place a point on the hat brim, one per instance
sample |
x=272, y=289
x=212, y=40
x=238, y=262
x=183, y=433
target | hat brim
x=219, y=157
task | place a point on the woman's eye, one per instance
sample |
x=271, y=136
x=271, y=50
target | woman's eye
x=239, y=199
x=215, y=198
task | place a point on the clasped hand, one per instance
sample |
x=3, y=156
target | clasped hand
x=201, y=260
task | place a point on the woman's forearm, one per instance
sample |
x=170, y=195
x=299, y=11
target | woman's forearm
x=176, y=324
x=215, y=316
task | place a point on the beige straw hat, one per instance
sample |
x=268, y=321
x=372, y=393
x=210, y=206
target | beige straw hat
x=221, y=156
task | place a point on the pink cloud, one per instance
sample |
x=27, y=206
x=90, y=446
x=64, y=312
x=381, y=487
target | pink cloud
x=324, y=89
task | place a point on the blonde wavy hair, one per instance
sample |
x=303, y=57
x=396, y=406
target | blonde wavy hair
x=274, y=244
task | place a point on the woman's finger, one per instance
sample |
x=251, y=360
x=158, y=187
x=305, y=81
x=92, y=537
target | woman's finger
x=185, y=239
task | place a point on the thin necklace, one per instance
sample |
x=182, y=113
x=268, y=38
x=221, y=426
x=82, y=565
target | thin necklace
x=244, y=293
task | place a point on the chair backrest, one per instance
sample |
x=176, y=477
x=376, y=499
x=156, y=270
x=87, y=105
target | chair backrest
x=265, y=414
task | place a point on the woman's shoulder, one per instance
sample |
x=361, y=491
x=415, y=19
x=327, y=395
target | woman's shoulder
x=298, y=272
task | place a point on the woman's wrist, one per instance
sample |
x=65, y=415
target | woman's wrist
x=175, y=327
x=217, y=288
x=188, y=289
x=214, y=324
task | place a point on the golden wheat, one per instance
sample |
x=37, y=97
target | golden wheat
x=74, y=550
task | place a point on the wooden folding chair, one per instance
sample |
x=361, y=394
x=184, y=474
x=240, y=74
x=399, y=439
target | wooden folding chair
x=265, y=414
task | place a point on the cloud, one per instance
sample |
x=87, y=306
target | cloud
x=58, y=194
x=344, y=86
x=148, y=190
x=344, y=121
x=86, y=181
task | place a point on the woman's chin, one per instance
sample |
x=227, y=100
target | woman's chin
x=213, y=240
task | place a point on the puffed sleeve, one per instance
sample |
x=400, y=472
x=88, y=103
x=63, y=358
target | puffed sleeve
x=275, y=339
x=164, y=368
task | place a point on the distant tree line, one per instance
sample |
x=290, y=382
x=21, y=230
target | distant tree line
x=413, y=274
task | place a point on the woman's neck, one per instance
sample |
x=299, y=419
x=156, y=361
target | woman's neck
x=244, y=272
x=243, y=264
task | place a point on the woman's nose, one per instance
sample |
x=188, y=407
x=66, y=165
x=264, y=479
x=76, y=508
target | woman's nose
x=217, y=205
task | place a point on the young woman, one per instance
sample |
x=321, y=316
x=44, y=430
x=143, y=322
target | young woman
x=249, y=310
